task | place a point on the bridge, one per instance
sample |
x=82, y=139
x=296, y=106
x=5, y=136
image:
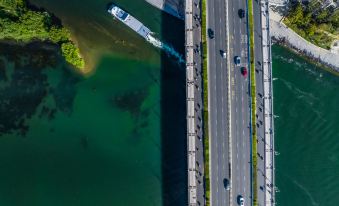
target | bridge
x=265, y=118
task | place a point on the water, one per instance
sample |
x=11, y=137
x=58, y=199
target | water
x=113, y=137
x=306, y=132
x=167, y=48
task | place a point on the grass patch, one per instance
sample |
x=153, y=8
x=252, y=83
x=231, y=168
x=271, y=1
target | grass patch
x=253, y=104
x=205, y=98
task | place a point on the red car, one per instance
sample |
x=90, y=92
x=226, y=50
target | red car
x=244, y=71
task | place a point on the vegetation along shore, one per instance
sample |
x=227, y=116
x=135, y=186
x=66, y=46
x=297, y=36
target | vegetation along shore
x=23, y=23
x=315, y=23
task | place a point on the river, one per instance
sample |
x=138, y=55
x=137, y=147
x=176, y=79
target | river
x=306, y=131
x=115, y=136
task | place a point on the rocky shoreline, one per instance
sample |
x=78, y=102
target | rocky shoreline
x=282, y=35
x=306, y=54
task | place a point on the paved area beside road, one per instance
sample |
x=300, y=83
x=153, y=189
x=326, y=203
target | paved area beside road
x=194, y=101
x=264, y=111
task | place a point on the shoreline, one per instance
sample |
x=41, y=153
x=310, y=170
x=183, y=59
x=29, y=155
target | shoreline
x=23, y=23
x=286, y=37
x=47, y=46
x=306, y=55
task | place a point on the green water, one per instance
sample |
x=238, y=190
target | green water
x=306, y=132
x=110, y=138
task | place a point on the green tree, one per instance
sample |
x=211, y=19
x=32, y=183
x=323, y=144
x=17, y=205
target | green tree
x=28, y=25
x=296, y=15
x=72, y=54
x=322, y=16
x=311, y=30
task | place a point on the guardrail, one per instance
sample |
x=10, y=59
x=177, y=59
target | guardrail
x=194, y=103
x=268, y=105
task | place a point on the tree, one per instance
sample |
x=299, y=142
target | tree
x=322, y=16
x=72, y=55
x=296, y=15
x=311, y=29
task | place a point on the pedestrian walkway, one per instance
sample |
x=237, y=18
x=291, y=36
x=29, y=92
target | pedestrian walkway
x=280, y=32
x=267, y=171
x=194, y=104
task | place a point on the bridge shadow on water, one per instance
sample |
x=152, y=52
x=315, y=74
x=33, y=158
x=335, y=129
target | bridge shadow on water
x=173, y=115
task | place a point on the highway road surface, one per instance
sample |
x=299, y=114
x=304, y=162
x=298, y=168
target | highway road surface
x=240, y=105
x=222, y=17
x=218, y=102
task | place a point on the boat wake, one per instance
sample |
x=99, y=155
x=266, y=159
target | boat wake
x=167, y=48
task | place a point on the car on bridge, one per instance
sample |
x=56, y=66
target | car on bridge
x=243, y=71
x=237, y=60
x=223, y=54
x=226, y=184
x=241, y=200
x=241, y=13
x=210, y=33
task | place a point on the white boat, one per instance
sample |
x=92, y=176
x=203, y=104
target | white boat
x=130, y=21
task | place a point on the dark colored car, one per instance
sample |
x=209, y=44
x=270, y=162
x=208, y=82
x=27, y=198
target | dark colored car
x=237, y=60
x=210, y=33
x=226, y=184
x=244, y=71
x=241, y=13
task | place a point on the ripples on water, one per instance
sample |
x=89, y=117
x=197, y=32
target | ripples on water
x=306, y=101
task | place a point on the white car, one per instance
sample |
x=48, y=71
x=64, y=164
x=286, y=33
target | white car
x=224, y=55
x=241, y=200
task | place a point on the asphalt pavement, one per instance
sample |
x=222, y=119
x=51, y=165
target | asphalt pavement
x=223, y=19
x=218, y=103
x=240, y=105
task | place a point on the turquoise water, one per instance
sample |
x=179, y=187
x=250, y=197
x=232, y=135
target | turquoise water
x=92, y=141
x=111, y=137
x=306, y=132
